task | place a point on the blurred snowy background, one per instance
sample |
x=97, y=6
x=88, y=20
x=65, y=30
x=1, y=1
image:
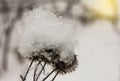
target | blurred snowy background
x=98, y=47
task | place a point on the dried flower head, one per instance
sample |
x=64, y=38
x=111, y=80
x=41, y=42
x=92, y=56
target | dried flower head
x=48, y=38
x=65, y=67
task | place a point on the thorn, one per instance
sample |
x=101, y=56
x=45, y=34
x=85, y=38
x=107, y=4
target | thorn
x=22, y=77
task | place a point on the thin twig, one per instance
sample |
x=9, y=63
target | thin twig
x=41, y=70
x=48, y=75
x=34, y=77
x=55, y=76
x=24, y=78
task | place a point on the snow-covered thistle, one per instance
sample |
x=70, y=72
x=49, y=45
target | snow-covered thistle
x=49, y=39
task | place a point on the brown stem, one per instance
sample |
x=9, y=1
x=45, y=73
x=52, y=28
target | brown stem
x=24, y=78
x=55, y=76
x=48, y=75
x=34, y=77
x=41, y=70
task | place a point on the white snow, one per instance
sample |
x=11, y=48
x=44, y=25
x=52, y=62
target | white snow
x=43, y=29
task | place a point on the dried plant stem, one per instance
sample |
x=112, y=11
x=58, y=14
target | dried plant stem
x=41, y=70
x=24, y=78
x=55, y=76
x=34, y=77
x=48, y=75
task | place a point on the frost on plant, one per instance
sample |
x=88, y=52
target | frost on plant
x=47, y=39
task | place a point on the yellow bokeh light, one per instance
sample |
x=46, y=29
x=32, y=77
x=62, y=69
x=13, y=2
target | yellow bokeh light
x=103, y=9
